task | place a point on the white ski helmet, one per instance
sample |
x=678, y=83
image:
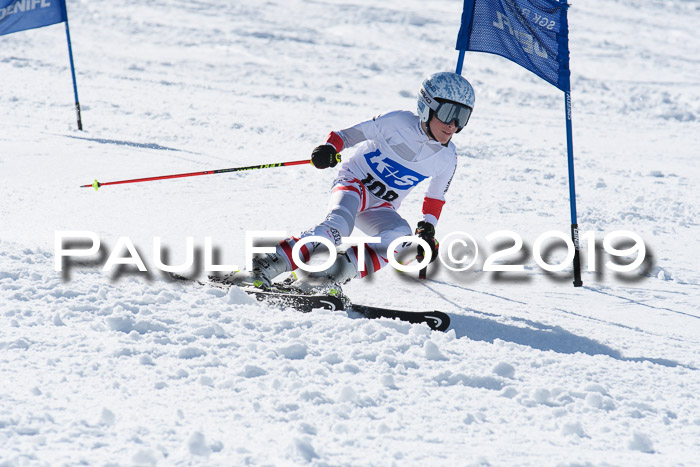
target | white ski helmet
x=446, y=87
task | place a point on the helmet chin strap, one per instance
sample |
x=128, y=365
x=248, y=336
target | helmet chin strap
x=428, y=131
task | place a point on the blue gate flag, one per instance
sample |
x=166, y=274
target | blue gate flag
x=532, y=33
x=18, y=15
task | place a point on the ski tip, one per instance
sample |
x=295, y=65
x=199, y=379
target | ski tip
x=438, y=321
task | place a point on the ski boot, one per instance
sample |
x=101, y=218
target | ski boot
x=265, y=268
x=326, y=282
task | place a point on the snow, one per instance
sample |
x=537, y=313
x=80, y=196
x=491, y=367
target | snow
x=127, y=368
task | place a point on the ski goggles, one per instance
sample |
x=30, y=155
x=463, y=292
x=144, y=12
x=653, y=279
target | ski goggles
x=448, y=112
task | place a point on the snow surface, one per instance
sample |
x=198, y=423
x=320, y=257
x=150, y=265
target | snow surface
x=130, y=369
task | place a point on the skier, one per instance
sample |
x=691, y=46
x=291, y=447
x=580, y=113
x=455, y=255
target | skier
x=396, y=151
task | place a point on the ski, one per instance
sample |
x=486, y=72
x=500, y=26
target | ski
x=300, y=302
x=436, y=320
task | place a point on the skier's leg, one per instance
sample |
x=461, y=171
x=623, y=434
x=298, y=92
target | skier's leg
x=386, y=224
x=346, y=199
x=345, y=202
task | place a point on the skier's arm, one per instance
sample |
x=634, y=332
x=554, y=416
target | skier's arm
x=432, y=207
x=435, y=195
x=355, y=134
x=364, y=131
x=328, y=154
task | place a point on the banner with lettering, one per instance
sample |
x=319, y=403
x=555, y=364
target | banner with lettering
x=18, y=15
x=532, y=33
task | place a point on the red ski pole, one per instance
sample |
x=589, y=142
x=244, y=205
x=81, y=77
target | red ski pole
x=97, y=184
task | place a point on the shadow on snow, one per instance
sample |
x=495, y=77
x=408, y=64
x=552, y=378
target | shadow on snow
x=127, y=143
x=533, y=334
x=541, y=337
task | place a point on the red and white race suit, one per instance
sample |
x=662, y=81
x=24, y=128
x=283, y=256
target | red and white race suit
x=393, y=156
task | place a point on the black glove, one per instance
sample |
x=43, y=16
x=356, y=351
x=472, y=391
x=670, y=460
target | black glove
x=426, y=231
x=325, y=156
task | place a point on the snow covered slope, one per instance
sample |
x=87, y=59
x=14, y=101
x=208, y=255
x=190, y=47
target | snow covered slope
x=130, y=369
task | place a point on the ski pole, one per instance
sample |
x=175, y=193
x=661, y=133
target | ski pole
x=423, y=273
x=97, y=184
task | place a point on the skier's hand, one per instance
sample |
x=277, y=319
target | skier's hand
x=325, y=156
x=426, y=231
